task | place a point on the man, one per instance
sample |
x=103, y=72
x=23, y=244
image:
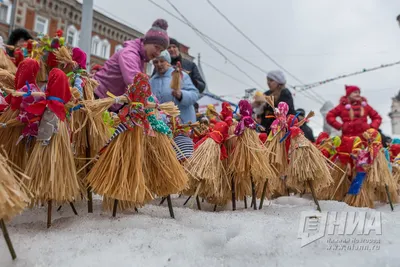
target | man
x=308, y=133
x=189, y=66
x=18, y=38
x=160, y=87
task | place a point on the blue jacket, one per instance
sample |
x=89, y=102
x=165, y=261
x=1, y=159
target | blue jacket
x=160, y=87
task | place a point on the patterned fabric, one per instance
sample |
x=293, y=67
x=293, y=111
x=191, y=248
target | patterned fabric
x=157, y=125
x=279, y=123
x=184, y=148
x=246, y=121
x=134, y=114
x=219, y=134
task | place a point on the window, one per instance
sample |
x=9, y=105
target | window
x=41, y=24
x=105, y=49
x=95, y=45
x=3, y=12
x=118, y=47
x=72, y=36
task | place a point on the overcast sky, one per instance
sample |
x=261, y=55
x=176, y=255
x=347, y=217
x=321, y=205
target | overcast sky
x=313, y=39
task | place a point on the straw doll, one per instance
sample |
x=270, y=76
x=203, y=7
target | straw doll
x=379, y=175
x=248, y=166
x=207, y=173
x=359, y=195
x=51, y=164
x=119, y=174
x=14, y=197
x=396, y=171
x=17, y=123
x=307, y=166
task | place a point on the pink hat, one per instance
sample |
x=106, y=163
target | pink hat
x=158, y=34
x=79, y=57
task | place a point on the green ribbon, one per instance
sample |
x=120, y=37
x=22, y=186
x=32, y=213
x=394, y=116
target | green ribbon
x=157, y=125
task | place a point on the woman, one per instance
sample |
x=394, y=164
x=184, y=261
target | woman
x=354, y=111
x=276, y=83
x=118, y=72
x=184, y=99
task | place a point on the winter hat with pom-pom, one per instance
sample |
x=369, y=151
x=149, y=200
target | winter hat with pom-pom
x=351, y=89
x=158, y=34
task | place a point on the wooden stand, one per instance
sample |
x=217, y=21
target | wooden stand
x=388, y=196
x=198, y=202
x=8, y=240
x=49, y=207
x=171, y=210
x=114, y=213
x=263, y=195
x=163, y=200
x=233, y=195
x=314, y=195
x=245, y=202
x=187, y=200
x=254, y=196
x=90, y=200
x=215, y=207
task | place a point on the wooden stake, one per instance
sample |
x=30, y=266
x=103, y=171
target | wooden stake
x=263, y=195
x=215, y=207
x=73, y=208
x=162, y=200
x=8, y=240
x=314, y=195
x=49, y=207
x=59, y=208
x=233, y=195
x=90, y=200
x=171, y=210
x=253, y=192
x=115, y=208
x=245, y=202
x=187, y=200
x=388, y=196
x=198, y=202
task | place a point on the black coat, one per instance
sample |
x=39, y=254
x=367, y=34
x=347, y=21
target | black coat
x=286, y=97
x=308, y=132
x=193, y=72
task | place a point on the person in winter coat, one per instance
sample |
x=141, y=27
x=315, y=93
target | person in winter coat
x=276, y=83
x=354, y=111
x=189, y=66
x=308, y=132
x=160, y=87
x=118, y=71
x=18, y=38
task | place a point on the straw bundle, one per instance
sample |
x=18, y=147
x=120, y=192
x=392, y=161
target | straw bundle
x=379, y=176
x=363, y=199
x=278, y=155
x=99, y=105
x=42, y=75
x=52, y=169
x=14, y=196
x=307, y=164
x=396, y=176
x=164, y=174
x=119, y=173
x=340, y=185
x=207, y=169
x=7, y=79
x=9, y=137
x=248, y=161
x=64, y=57
x=176, y=80
x=79, y=138
x=7, y=64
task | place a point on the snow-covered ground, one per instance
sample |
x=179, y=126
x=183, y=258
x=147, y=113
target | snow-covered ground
x=195, y=238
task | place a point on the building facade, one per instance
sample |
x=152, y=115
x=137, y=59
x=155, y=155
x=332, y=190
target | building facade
x=395, y=114
x=47, y=16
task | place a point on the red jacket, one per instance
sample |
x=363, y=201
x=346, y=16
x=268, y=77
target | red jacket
x=358, y=123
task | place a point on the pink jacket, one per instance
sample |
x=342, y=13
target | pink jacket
x=119, y=70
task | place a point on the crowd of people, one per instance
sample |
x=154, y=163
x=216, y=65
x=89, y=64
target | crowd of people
x=142, y=136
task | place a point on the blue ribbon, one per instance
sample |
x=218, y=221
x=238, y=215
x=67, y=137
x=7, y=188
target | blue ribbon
x=77, y=107
x=356, y=184
x=291, y=125
x=236, y=109
x=29, y=93
x=54, y=98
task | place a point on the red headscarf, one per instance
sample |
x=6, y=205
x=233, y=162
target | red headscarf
x=58, y=94
x=219, y=134
x=79, y=57
x=26, y=72
x=226, y=113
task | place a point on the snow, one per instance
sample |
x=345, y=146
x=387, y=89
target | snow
x=266, y=237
